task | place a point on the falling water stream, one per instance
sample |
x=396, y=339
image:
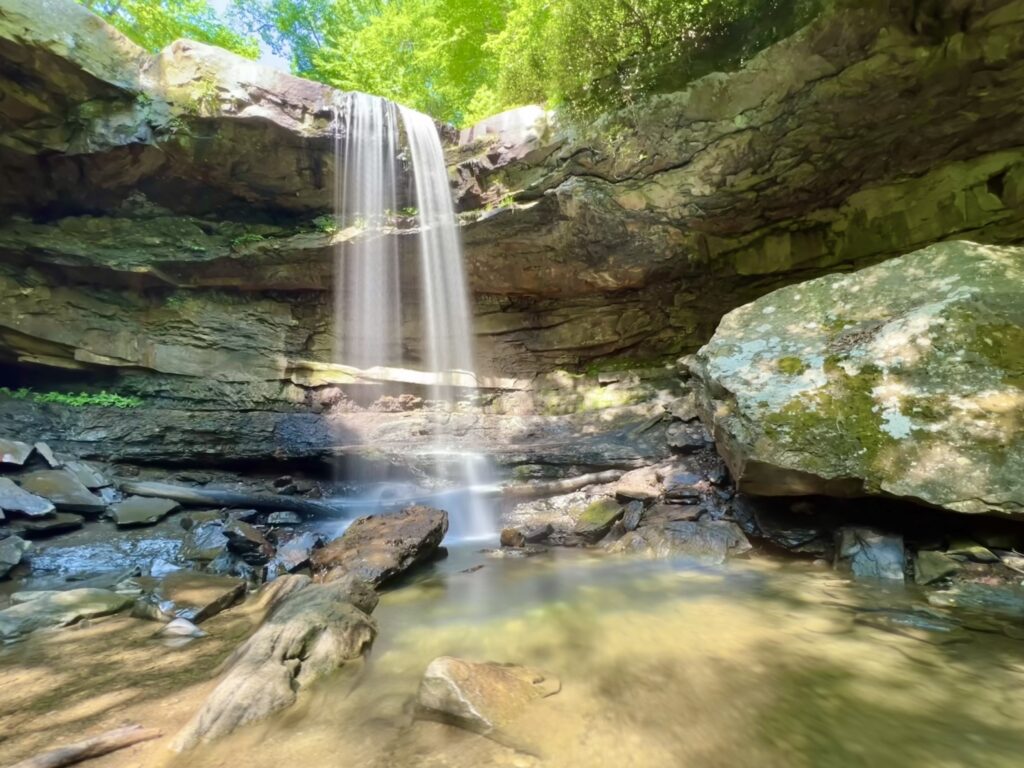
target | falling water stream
x=368, y=280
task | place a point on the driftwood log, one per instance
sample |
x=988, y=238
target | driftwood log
x=105, y=743
x=207, y=497
x=565, y=485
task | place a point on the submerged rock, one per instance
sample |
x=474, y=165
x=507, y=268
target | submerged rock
x=141, y=510
x=15, y=499
x=64, y=489
x=710, y=541
x=12, y=549
x=311, y=631
x=899, y=379
x=869, y=553
x=481, y=697
x=37, y=610
x=380, y=547
x=191, y=595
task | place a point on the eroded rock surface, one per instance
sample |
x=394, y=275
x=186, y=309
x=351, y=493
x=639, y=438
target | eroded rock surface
x=904, y=379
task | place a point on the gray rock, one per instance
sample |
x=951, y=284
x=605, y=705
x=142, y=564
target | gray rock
x=682, y=485
x=380, y=547
x=869, y=553
x=538, y=533
x=14, y=452
x=87, y=474
x=971, y=550
x=12, y=549
x=930, y=566
x=247, y=542
x=141, y=510
x=295, y=552
x=64, y=489
x=204, y=542
x=481, y=697
x=710, y=541
x=687, y=438
x=37, y=610
x=44, y=450
x=312, y=632
x=639, y=484
x=633, y=515
x=15, y=499
x=284, y=517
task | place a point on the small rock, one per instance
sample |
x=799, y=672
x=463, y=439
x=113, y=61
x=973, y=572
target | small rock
x=641, y=484
x=204, y=541
x=44, y=450
x=684, y=486
x=510, y=537
x=481, y=697
x=181, y=628
x=161, y=568
x=87, y=474
x=141, y=510
x=14, y=452
x=596, y=519
x=284, y=517
x=247, y=542
x=632, y=516
x=687, y=438
x=36, y=610
x=64, y=489
x=684, y=408
x=295, y=552
x=971, y=550
x=869, y=553
x=38, y=527
x=11, y=551
x=538, y=533
x=530, y=550
x=244, y=515
x=15, y=499
x=930, y=566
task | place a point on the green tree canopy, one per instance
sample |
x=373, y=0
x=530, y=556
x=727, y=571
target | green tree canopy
x=155, y=23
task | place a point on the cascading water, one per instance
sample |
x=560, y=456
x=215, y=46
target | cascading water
x=368, y=282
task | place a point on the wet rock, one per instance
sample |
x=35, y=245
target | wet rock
x=799, y=386
x=197, y=596
x=687, y=438
x=64, y=489
x=1003, y=600
x=510, y=537
x=37, y=610
x=970, y=550
x=681, y=485
x=247, y=542
x=312, y=632
x=869, y=553
x=160, y=568
x=47, y=455
x=640, y=484
x=244, y=515
x=709, y=541
x=528, y=550
x=380, y=547
x=930, y=566
x=916, y=624
x=538, y=533
x=12, y=549
x=141, y=510
x=17, y=500
x=284, y=518
x=294, y=553
x=597, y=518
x=39, y=527
x=204, y=542
x=632, y=516
x=481, y=697
x=659, y=514
x=87, y=474
x=181, y=628
x=14, y=452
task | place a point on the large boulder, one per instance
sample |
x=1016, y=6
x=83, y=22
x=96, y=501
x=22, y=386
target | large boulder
x=904, y=379
x=380, y=547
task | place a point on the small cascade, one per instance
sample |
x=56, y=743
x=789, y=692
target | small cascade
x=368, y=289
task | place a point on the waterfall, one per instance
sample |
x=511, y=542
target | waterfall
x=368, y=282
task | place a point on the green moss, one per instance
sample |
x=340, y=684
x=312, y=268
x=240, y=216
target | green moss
x=1002, y=345
x=791, y=366
x=599, y=512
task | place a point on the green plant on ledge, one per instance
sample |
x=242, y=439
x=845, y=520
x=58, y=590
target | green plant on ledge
x=104, y=399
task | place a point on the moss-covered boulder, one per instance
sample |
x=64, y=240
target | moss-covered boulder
x=904, y=379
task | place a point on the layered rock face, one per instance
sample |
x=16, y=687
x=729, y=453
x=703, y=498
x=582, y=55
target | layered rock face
x=904, y=379
x=162, y=230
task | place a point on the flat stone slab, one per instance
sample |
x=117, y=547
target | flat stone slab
x=87, y=475
x=597, y=518
x=20, y=501
x=59, y=522
x=47, y=453
x=141, y=510
x=38, y=610
x=710, y=542
x=197, y=596
x=14, y=452
x=481, y=696
x=380, y=547
x=64, y=489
